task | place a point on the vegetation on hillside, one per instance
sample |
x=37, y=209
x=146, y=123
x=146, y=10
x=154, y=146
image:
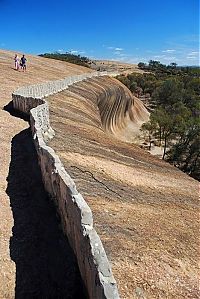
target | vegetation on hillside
x=174, y=101
x=68, y=57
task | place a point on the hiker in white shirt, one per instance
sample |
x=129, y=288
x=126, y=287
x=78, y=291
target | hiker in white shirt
x=16, y=59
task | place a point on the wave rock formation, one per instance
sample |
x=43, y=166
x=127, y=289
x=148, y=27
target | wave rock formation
x=121, y=113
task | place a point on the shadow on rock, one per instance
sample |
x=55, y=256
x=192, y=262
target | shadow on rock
x=45, y=264
x=9, y=108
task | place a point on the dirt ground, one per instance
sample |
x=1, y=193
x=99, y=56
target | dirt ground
x=145, y=211
x=24, y=243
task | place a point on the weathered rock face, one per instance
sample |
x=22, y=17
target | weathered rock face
x=145, y=211
x=118, y=108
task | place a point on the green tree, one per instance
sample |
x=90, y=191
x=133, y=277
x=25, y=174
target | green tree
x=168, y=93
x=69, y=57
x=194, y=85
x=125, y=80
x=167, y=126
x=150, y=127
x=175, y=111
x=185, y=154
x=173, y=65
x=133, y=87
x=164, y=128
x=141, y=65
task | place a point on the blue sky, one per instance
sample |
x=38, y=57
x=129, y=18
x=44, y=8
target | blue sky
x=129, y=30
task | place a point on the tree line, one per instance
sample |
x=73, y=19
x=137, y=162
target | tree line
x=68, y=57
x=174, y=99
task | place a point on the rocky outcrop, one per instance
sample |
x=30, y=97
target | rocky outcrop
x=129, y=192
x=117, y=107
x=76, y=216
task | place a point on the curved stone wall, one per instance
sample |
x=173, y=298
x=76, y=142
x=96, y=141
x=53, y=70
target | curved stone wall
x=76, y=216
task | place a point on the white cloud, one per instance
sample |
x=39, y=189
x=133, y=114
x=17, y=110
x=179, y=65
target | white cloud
x=115, y=48
x=158, y=56
x=170, y=58
x=60, y=50
x=119, y=49
x=73, y=51
x=193, y=53
x=180, y=51
x=120, y=54
x=191, y=57
x=169, y=51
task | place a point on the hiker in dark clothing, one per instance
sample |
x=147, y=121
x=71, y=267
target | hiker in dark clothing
x=23, y=63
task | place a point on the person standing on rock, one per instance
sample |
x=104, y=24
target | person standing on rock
x=23, y=63
x=16, y=59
